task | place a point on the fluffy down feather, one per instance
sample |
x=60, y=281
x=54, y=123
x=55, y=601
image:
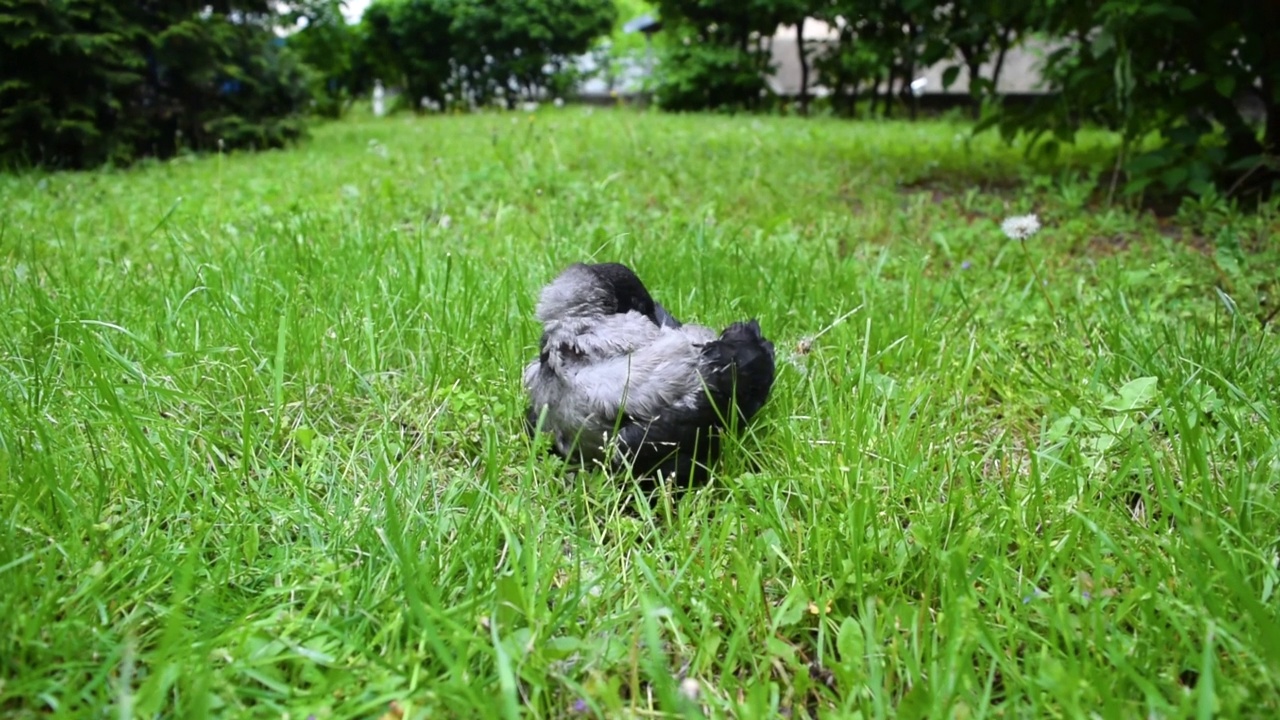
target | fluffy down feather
x=620, y=381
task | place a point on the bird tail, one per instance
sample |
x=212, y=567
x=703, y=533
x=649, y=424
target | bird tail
x=739, y=367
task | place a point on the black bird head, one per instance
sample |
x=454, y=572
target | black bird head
x=584, y=290
x=627, y=290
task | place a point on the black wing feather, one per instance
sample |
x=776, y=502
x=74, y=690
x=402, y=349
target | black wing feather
x=737, y=371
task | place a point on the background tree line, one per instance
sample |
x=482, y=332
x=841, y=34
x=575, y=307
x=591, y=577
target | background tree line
x=1192, y=88
x=466, y=52
x=92, y=82
x=88, y=82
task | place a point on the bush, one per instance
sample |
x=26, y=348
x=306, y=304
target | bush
x=1178, y=72
x=410, y=44
x=71, y=71
x=226, y=84
x=480, y=49
x=699, y=76
x=109, y=81
x=330, y=47
x=715, y=55
x=1181, y=71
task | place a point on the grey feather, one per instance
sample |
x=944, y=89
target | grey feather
x=616, y=373
x=599, y=368
x=575, y=293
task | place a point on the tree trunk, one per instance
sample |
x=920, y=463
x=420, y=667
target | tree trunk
x=885, y=94
x=912, y=105
x=764, y=51
x=804, y=68
x=875, y=94
x=887, y=104
x=1271, y=135
x=1242, y=140
x=1270, y=65
x=975, y=93
x=1003, y=48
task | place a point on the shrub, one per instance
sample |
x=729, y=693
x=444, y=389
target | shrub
x=330, y=47
x=109, y=81
x=715, y=53
x=1182, y=71
x=700, y=76
x=480, y=48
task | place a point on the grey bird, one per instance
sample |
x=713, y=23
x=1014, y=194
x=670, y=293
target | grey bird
x=620, y=381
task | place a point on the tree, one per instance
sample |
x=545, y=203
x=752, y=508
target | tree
x=983, y=31
x=880, y=47
x=1181, y=70
x=716, y=52
x=96, y=81
x=914, y=37
x=519, y=46
x=854, y=63
x=223, y=81
x=69, y=70
x=328, y=45
x=478, y=49
x=793, y=13
x=411, y=43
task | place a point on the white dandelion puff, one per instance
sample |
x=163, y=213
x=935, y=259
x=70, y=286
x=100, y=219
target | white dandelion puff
x=1020, y=227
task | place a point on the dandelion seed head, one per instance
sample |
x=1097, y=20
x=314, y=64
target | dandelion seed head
x=1020, y=227
x=689, y=689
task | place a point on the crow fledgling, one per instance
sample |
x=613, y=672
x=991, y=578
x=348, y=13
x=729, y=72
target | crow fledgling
x=622, y=381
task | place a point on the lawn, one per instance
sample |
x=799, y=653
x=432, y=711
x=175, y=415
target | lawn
x=261, y=445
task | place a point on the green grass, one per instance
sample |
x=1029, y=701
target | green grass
x=261, y=451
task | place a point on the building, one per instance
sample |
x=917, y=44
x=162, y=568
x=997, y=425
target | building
x=1019, y=76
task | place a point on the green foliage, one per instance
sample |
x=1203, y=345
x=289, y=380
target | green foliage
x=697, y=76
x=410, y=43
x=619, y=51
x=983, y=31
x=881, y=43
x=1178, y=70
x=715, y=57
x=330, y=46
x=520, y=44
x=1174, y=70
x=100, y=81
x=227, y=84
x=70, y=72
x=480, y=49
x=628, y=10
